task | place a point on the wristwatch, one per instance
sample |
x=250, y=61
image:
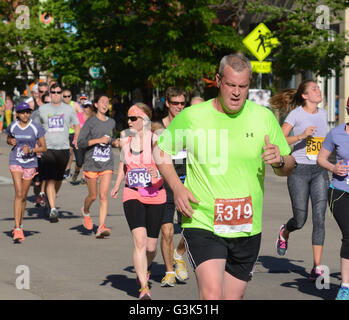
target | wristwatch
x=281, y=164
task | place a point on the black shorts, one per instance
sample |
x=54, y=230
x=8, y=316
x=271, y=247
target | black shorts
x=39, y=177
x=71, y=139
x=170, y=208
x=54, y=163
x=148, y=216
x=240, y=254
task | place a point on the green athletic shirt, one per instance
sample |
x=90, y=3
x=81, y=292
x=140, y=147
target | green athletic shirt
x=223, y=158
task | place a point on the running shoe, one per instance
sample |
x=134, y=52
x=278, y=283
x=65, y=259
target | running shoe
x=66, y=175
x=144, y=293
x=53, y=217
x=343, y=293
x=75, y=177
x=169, y=280
x=43, y=202
x=315, y=273
x=102, y=232
x=37, y=201
x=87, y=220
x=18, y=235
x=40, y=200
x=181, y=269
x=83, y=181
x=281, y=244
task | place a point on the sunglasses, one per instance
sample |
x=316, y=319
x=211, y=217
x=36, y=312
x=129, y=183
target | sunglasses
x=176, y=103
x=56, y=92
x=133, y=119
x=66, y=96
x=42, y=91
x=24, y=111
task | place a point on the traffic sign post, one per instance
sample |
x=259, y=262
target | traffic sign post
x=259, y=42
x=261, y=66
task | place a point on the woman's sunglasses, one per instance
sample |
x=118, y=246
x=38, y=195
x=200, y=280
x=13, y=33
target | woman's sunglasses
x=133, y=119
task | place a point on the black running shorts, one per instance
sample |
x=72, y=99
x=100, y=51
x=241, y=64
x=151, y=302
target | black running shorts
x=54, y=163
x=240, y=254
x=148, y=216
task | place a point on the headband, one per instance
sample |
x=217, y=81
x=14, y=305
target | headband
x=134, y=111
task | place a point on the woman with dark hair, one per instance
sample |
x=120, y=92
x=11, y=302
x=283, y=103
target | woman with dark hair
x=309, y=125
x=98, y=163
x=26, y=138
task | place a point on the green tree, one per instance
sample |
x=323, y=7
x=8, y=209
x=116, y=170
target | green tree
x=157, y=43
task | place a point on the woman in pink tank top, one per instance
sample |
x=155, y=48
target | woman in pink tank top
x=144, y=196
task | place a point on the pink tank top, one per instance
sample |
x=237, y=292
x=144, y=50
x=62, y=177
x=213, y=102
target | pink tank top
x=81, y=119
x=141, y=186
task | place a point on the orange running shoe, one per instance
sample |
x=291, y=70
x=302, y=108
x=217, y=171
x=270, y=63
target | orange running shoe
x=102, y=232
x=144, y=293
x=18, y=235
x=87, y=221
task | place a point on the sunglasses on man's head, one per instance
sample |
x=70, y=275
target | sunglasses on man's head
x=176, y=103
x=133, y=119
x=56, y=92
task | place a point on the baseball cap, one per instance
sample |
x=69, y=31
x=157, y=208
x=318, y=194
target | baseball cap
x=87, y=103
x=83, y=96
x=22, y=106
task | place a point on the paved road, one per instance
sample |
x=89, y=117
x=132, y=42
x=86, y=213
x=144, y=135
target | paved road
x=66, y=263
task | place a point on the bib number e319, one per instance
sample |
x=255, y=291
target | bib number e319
x=233, y=215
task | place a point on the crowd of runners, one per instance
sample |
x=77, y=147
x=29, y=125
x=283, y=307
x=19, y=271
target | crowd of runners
x=205, y=161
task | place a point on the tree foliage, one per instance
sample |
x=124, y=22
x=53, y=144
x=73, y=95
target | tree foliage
x=158, y=43
x=304, y=36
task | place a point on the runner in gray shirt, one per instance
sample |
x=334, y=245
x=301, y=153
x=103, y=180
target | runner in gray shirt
x=99, y=156
x=98, y=163
x=56, y=118
x=308, y=181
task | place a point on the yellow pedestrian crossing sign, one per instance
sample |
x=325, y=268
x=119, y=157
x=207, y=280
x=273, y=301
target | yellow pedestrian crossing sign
x=258, y=41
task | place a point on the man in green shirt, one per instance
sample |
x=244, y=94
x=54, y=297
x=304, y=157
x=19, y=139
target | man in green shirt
x=228, y=140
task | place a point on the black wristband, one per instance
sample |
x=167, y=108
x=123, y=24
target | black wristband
x=281, y=165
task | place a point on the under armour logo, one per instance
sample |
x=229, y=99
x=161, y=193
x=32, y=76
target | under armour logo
x=249, y=134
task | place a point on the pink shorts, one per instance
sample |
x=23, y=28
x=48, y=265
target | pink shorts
x=27, y=173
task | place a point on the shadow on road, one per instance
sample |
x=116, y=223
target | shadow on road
x=283, y=265
x=27, y=233
x=123, y=283
x=129, y=284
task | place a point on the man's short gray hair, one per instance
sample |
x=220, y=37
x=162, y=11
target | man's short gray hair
x=237, y=61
